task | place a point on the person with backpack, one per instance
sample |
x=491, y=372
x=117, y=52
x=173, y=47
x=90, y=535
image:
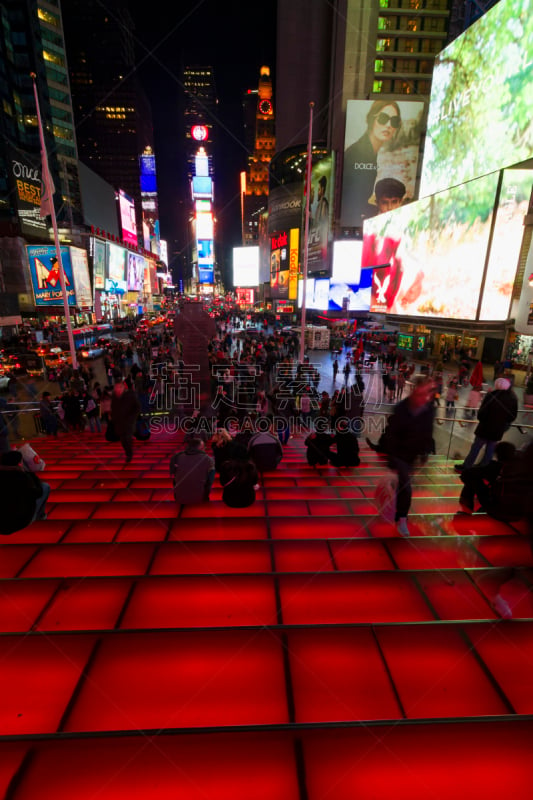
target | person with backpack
x=239, y=479
x=193, y=472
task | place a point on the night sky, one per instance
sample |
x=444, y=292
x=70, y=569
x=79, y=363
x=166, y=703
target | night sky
x=236, y=37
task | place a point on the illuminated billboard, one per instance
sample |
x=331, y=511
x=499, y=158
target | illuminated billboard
x=44, y=271
x=127, y=218
x=204, y=226
x=25, y=179
x=99, y=261
x=479, y=117
x=148, y=174
x=320, y=217
x=346, y=264
x=202, y=187
x=246, y=266
x=316, y=294
x=245, y=297
x=279, y=265
x=506, y=244
x=116, y=262
x=205, y=274
x=345, y=296
x=82, y=281
x=136, y=266
x=432, y=252
x=205, y=250
x=382, y=141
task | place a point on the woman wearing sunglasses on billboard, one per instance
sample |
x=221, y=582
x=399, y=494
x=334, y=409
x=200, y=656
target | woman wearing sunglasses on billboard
x=383, y=122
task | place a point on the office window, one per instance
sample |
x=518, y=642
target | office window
x=408, y=45
x=434, y=24
x=384, y=45
x=386, y=23
x=403, y=87
x=406, y=65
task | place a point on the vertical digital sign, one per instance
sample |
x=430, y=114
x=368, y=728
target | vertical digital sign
x=127, y=218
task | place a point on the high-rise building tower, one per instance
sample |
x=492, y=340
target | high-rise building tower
x=199, y=112
x=32, y=40
x=112, y=113
x=255, y=197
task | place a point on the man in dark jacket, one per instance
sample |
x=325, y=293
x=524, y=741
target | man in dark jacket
x=497, y=411
x=347, y=454
x=192, y=472
x=22, y=494
x=125, y=408
x=408, y=436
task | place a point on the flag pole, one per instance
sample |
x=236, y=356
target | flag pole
x=49, y=187
x=306, y=228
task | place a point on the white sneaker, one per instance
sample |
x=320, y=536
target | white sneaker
x=401, y=526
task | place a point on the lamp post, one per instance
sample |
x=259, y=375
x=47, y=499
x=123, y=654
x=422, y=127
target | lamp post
x=306, y=228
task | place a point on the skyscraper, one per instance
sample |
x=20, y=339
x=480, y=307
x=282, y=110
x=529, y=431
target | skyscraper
x=255, y=198
x=32, y=41
x=112, y=113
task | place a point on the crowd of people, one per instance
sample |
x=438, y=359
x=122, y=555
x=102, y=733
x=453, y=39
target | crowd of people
x=261, y=396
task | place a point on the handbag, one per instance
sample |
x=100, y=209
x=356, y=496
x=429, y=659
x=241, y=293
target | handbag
x=385, y=495
x=32, y=460
x=110, y=432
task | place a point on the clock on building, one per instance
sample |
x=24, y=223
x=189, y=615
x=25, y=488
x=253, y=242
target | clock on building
x=265, y=107
x=199, y=133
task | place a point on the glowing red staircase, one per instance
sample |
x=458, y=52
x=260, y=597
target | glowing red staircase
x=296, y=649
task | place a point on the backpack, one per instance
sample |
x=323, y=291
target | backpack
x=238, y=478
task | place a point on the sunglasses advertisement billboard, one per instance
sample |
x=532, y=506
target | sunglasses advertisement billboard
x=432, y=252
x=381, y=147
x=479, y=117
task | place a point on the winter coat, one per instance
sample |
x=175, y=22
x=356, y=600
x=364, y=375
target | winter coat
x=408, y=435
x=192, y=473
x=498, y=410
x=125, y=408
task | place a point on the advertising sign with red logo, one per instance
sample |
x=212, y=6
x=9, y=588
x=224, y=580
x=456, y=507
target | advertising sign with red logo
x=279, y=264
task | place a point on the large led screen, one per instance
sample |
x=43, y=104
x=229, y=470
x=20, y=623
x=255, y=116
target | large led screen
x=381, y=143
x=116, y=263
x=246, y=266
x=347, y=260
x=279, y=265
x=136, y=265
x=320, y=217
x=432, y=252
x=351, y=296
x=479, y=117
x=204, y=226
x=506, y=244
x=80, y=273
x=148, y=174
x=316, y=294
x=127, y=218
